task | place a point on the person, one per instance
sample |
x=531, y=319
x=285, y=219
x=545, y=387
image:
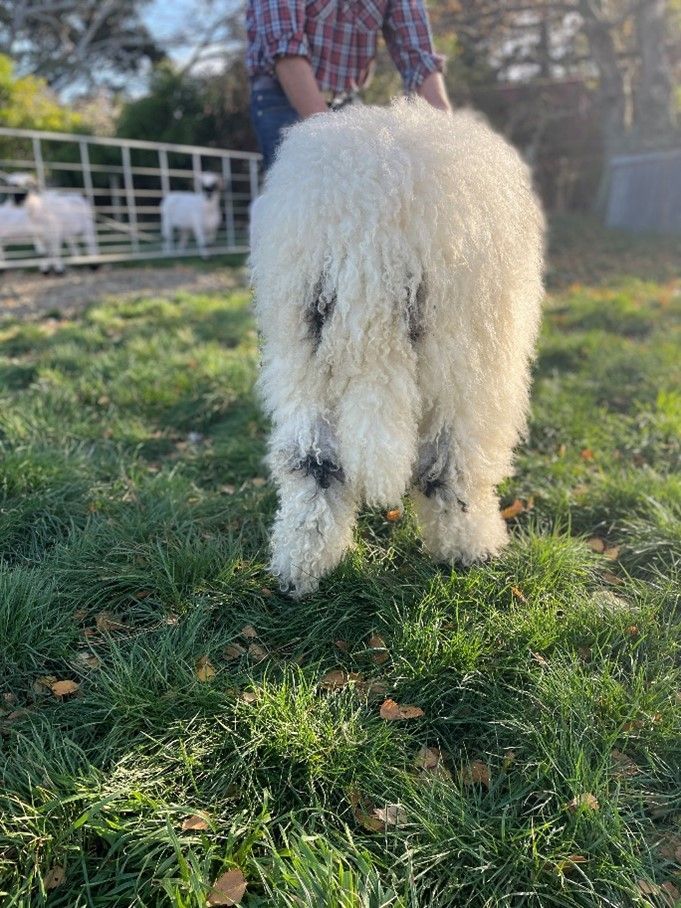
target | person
x=306, y=55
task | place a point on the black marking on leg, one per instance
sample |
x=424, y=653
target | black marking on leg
x=433, y=471
x=323, y=470
x=319, y=311
x=415, y=311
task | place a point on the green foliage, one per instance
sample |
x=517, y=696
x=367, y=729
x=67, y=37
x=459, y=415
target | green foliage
x=130, y=437
x=27, y=103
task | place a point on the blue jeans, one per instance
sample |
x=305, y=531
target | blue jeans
x=271, y=113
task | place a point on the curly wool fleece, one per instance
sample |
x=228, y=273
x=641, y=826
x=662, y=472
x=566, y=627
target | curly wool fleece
x=397, y=268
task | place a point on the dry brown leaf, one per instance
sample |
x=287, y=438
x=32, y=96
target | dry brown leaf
x=391, y=815
x=342, y=645
x=671, y=892
x=645, y=887
x=623, y=766
x=569, y=862
x=248, y=696
x=257, y=652
x=540, y=660
x=368, y=821
x=612, y=553
x=43, y=684
x=513, y=510
x=266, y=592
x=234, y=650
x=632, y=630
x=392, y=711
x=258, y=482
x=393, y=515
x=611, y=578
x=372, y=689
x=381, y=655
x=228, y=489
x=586, y=454
x=586, y=800
x=204, y=669
x=142, y=594
x=54, y=877
x=249, y=632
x=476, y=773
x=428, y=757
x=670, y=847
x=333, y=680
x=86, y=659
x=518, y=593
x=107, y=624
x=80, y=614
x=228, y=889
x=596, y=544
x=64, y=688
x=195, y=822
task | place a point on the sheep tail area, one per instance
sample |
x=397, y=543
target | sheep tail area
x=369, y=344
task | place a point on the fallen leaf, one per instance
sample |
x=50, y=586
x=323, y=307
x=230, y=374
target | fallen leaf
x=377, y=643
x=632, y=630
x=391, y=815
x=393, y=515
x=623, y=766
x=107, y=624
x=670, y=847
x=609, y=577
x=87, y=659
x=258, y=482
x=513, y=510
x=596, y=544
x=142, y=594
x=518, y=593
x=257, y=652
x=428, y=757
x=586, y=454
x=248, y=696
x=586, y=800
x=612, y=553
x=540, y=660
x=645, y=887
x=228, y=889
x=10, y=698
x=64, y=688
x=234, y=650
x=509, y=758
x=391, y=711
x=43, y=684
x=672, y=892
x=333, y=680
x=266, y=592
x=248, y=631
x=228, y=489
x=368, y=821
x=476, y=773
x=54, y=877
x=372, y=688
x=194, y=822
x=204, y=669
x=80, y=614
x=342, y=645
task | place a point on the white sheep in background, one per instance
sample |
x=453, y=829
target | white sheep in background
x=397, y=269
x=47, y=219
x=192, y=212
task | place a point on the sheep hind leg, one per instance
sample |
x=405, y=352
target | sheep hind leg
x=314, y=523
x=457, y=510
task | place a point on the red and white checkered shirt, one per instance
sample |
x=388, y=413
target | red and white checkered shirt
x=339, y=38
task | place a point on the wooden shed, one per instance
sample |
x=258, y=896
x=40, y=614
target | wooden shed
x=645, y=192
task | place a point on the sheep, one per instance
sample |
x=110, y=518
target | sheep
x=48, y=219
x=397, y=273
x=195, y=212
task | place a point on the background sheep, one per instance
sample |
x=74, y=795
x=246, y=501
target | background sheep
x=192, y=212
x=397, y=266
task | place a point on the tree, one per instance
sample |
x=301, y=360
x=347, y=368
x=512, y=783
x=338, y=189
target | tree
x=28, y=103
x=77, y=42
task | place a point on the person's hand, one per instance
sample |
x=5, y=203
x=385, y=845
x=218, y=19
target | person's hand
x=433, y=90
x=300, y=86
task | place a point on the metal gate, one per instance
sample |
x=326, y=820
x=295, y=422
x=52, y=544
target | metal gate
x=125, y=181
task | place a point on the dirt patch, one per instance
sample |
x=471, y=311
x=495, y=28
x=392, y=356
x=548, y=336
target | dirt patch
x=31, y=295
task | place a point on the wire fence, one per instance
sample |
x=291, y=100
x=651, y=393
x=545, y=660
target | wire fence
x=124, y=181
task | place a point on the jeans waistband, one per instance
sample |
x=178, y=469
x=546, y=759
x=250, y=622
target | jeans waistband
x=264, y=82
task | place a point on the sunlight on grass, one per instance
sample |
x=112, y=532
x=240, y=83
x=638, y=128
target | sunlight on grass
x=134, y=527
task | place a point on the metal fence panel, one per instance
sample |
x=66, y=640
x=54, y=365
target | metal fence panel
x=125, y=181
x=645, y=192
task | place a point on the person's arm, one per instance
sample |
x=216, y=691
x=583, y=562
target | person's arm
x=299, y=84
x=407, y=33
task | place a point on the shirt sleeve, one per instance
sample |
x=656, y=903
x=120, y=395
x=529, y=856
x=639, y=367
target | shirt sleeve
x=281, y=24
x=407, y=33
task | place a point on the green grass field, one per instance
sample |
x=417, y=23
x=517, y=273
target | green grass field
x=546, y=767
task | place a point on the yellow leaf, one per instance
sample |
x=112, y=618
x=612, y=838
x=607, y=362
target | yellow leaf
x=228, y=889
x=64, y=688
x=585, y=800
x=392, y=711
x=476, y=773
x=513, y=510
x=54, y=877
x=204, y=669
x=195, y=822
x=518, y=593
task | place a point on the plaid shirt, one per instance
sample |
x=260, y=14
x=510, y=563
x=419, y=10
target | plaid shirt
x=339, y=37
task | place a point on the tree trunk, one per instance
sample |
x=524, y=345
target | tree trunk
x=653, y=107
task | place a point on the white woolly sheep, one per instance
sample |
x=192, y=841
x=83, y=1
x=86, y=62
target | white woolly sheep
x=397, y=269
x=195, y=212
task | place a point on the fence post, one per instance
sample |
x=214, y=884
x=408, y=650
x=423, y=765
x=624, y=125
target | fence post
x=87, y=173
x=229, y=199
x=196, y=167
x=130, y=197
x=39, y=163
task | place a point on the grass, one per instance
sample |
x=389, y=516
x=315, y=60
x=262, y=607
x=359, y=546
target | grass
x=134, y=524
